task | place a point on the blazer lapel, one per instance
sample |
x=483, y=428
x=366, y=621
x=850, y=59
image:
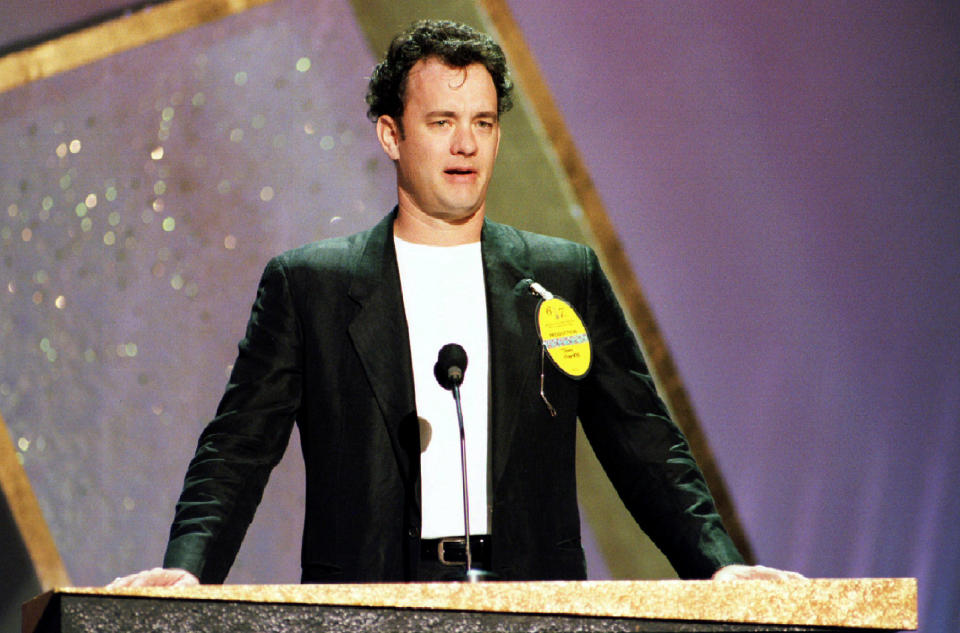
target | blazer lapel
x=379, y=335
x=513, y=336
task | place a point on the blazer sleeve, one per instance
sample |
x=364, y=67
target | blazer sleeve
x=239, y=448
x=641, y=449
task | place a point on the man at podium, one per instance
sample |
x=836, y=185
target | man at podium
x=343, y=340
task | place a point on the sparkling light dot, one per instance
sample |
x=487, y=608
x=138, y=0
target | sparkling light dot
x=327, y=143
x=113, y=218
x=13, y=210
x=167, y=114
x=61, y=150
x=60, y=302
x=240, y=78
x=109, y=238
x=86, y=224
x=176, y=282
x=303, y=64
x=24, y=445
x=90, y=200
x=130, y=349
x=47, y=203
x=199, y=99
x=229, y=243
x=159, y=187
x=75, y=146
x=26, y=235
x=111, y=194
x=169, y=224
x=80, y=209
x=157, y=152
x=236, y=135
x=266, y=194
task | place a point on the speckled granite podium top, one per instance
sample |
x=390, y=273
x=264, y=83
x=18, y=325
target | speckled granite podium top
x=872, y=603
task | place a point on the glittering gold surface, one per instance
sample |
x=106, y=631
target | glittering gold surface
x=878, y=603
x=95, y=43
x=23, y=505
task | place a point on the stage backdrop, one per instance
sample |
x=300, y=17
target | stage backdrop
x=784, y=175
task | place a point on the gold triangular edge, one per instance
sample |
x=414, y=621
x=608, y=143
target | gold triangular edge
x=98, y=42
x=525, y=69
x=28, y=517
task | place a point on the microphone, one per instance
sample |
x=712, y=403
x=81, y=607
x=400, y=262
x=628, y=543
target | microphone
x=448, y=370
x=450, y=366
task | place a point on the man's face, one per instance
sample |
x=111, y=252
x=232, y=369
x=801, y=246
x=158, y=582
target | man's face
x=451, y=133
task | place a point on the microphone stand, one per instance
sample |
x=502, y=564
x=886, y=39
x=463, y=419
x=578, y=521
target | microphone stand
x=451, y=363
x=471, y=577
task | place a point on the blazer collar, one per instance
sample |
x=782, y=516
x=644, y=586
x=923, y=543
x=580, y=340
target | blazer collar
x=513, y=335
x=379, y=334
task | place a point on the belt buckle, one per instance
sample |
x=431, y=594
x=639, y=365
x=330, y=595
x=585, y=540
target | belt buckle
x=441, y=549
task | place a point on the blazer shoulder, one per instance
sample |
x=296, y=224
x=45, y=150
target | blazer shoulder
x=537, y=247
x=330, y=253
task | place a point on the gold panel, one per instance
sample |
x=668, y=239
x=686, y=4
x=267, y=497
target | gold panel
x=101, y=41
x=27, y=515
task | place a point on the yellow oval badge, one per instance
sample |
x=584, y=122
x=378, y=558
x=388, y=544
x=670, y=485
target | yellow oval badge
x=564, y=337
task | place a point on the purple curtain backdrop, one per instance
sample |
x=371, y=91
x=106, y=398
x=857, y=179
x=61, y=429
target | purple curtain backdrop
x=785, y=179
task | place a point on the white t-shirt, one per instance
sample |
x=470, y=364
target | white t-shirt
x=444, y=299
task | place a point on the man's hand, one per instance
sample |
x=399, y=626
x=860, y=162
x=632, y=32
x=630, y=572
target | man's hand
x=156, y=577
x=754, y=572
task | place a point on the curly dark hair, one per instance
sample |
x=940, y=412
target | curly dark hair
x=456, y=45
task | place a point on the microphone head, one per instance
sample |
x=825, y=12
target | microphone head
x=451, y=365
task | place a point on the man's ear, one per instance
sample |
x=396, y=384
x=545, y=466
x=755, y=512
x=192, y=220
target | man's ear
x=389, y=135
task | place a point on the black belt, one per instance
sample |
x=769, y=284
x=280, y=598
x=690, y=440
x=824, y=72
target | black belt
x=453, y=551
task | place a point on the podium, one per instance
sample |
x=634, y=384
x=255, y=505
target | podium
x=822, y=605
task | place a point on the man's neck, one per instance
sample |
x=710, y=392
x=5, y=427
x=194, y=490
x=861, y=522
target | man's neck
x=419, y=228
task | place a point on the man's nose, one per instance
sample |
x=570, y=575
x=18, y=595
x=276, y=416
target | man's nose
x=463, y=142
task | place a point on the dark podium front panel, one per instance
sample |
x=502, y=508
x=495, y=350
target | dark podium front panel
x=655, y=606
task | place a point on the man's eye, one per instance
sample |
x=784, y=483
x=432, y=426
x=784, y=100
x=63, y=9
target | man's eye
x=485, y=124
x=441, y=123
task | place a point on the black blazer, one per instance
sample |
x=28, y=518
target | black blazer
x=327, y=347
